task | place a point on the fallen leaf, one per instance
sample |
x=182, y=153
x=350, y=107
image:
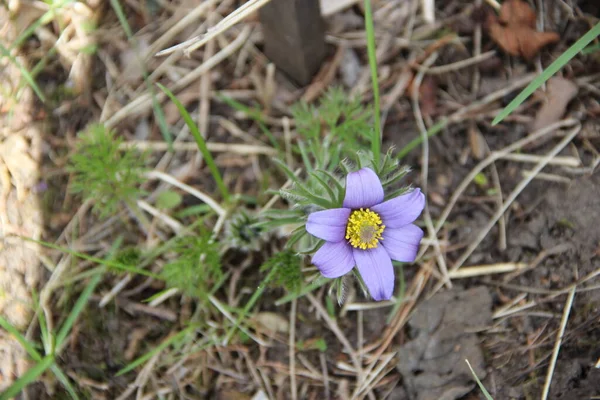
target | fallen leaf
x=514, y=30
x=517, y=12
x=559, y=93
x=432, y=363
x=477, y=142
x=273, y=322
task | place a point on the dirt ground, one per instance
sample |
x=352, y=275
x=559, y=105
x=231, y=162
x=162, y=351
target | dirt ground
x=506, y=323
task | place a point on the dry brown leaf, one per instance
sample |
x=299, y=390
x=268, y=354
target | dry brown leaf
x=514, y=30
x=273, y=322
x=477, y=142
x=517, y=12
x=560, y=92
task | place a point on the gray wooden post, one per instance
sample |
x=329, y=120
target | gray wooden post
x=294, y=35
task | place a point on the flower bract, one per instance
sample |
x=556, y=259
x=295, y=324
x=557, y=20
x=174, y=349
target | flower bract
x=368, y=233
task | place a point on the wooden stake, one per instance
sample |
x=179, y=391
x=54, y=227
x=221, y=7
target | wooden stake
x=294, y=35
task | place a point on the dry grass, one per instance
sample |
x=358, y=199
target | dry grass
x=200, y=51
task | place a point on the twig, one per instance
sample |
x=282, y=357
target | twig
x=194, y=192
x=244, y=149
x=479, y=270
x=232, y=19
x=144, y=102
x=557, y=344
x=167, y=220
x=442, y=69
x=564, y=161
x=425, y=169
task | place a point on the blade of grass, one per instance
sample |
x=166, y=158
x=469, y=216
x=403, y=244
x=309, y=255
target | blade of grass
x=166, y=343
x=548, y=72
x=26, y=75
x=376, y=137
x=434, y=130
x=255, y=296
x=48, y=17
x=487, y=395
x=47, y=337
x=199, y=141
x=62, y=378
x=31, y=375
x=96, y=260
x=591, y=49
x=76, y=310
x=29, y=348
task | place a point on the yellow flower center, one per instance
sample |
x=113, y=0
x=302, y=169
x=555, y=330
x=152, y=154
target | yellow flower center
x=364, y=229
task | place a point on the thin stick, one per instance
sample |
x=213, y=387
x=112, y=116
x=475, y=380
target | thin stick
x=442, y=69
x=425, y=169
x=557, y=344
x=239, y=14
x=480, y=270
x=563, y=161
x=144, y=102
x=194, y=192
x=167, y=220
x=238, y=148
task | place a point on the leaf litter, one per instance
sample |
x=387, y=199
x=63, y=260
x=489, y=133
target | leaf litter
x=514, y=30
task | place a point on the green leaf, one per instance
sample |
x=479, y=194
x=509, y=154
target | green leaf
x=29, y=347
x=76, y=310
x=210, y=162
x=434, y=130
x=30, y=376
x=487, y=395
x=168, y=200
x=481, y=180
x=549, y=72
x=107, y=263
x=62, y=378
x=166, y=343
x=26, y=75
x=376, y=136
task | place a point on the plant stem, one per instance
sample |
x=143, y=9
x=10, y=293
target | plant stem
x=376, y=138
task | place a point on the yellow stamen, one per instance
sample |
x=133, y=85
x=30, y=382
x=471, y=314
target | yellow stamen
x=364, y=229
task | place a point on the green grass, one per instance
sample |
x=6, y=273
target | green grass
x=210, y=162
x=24, y=72
x=487, y=394
x=376, y=137
x=53, y=344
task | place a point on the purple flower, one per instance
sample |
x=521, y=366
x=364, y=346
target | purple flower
x=368, y=232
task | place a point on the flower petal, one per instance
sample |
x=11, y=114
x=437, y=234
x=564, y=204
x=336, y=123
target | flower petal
x=363, y=189
x=329, y=225
x=401, y=210
x=402, y=244
x=377, y=271
x=334, y=259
